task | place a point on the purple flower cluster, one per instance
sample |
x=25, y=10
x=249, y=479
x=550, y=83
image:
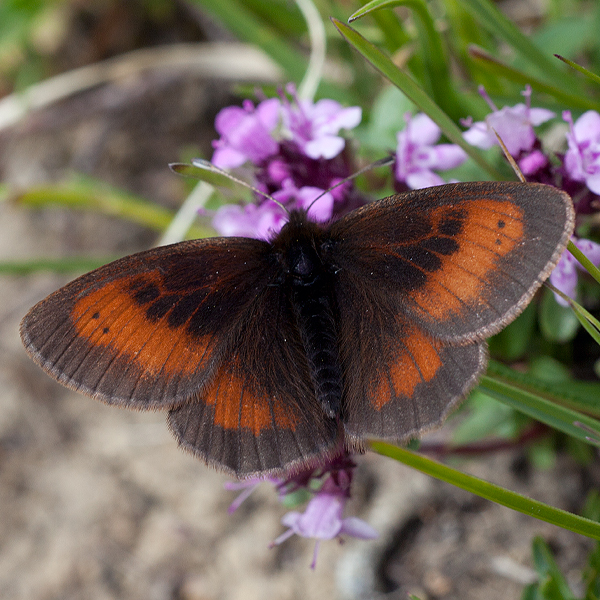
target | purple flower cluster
x=296, y=154
x=329, y=488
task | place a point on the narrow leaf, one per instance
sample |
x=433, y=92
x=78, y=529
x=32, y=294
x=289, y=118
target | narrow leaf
x=414, y=92
x=490, y=491
x=556, y=416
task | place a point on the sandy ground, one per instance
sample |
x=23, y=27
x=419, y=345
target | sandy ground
x=98, y=503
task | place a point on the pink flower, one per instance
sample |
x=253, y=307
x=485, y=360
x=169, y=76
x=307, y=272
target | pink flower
x=246, y=133
x=294, y=152
x=318, y=202
x=322, y=518
x=582, y=160
x=251, y=220
x=417, y=155
x=512, y=123
x=314, y=127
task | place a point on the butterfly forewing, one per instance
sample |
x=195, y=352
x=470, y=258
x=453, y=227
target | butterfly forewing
x=460, y=260
x=147, y=331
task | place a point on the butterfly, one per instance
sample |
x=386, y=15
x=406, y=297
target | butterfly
x=271, y=355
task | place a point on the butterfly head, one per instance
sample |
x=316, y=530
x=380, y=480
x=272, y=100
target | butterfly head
x=298, y=248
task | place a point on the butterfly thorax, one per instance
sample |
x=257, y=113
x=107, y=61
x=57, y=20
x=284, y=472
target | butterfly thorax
x=310, y=287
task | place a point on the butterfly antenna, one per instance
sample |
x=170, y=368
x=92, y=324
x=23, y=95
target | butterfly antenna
x=382, y=162
x=510, y=159
x=208, y=166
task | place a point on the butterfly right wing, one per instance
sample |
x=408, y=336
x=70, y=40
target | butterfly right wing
x=421, y=279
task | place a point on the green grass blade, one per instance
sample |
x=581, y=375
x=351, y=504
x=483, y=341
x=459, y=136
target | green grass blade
x=245, y=25
x=500, y=68
x=490, y=491
x=492, y=19
x=586, y=263
x=76, y=264
x=556, y=416
x=94, y=197
x=587, y=320
x=433, y=54
x=580, y=396
x=592, y=76
x=414, y=92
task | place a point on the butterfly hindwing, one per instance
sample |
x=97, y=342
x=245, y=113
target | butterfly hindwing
x=398, y=380
x=259, y=413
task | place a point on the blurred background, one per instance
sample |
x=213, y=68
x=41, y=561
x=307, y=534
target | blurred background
x=97, y=97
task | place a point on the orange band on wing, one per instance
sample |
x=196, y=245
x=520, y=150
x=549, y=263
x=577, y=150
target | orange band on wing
x=490, y=231
x=418, y=361
x=237, y=406
x=110, y=317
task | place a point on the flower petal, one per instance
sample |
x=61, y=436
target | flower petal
x=327, y=146
x=359, y=529
x=447, y=156
x=423, y=179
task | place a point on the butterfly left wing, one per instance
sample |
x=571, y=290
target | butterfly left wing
x=259, y=415
x=202, y=328
x=146, y=331
x=434, y=272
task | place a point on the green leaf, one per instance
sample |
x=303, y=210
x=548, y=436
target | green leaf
x=512, y=342
x=490, y=491
x=485, y=417
x=549, y=370
x=414, y=92
x=492, y=19
x=558, y=323
x=559, y=417
x=76, y=264
x=387, y=118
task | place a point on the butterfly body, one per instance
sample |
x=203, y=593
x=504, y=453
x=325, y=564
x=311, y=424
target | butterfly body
x=302, y=250
x=269, y=356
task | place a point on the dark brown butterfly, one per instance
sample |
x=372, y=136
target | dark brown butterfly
x=269, y=356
